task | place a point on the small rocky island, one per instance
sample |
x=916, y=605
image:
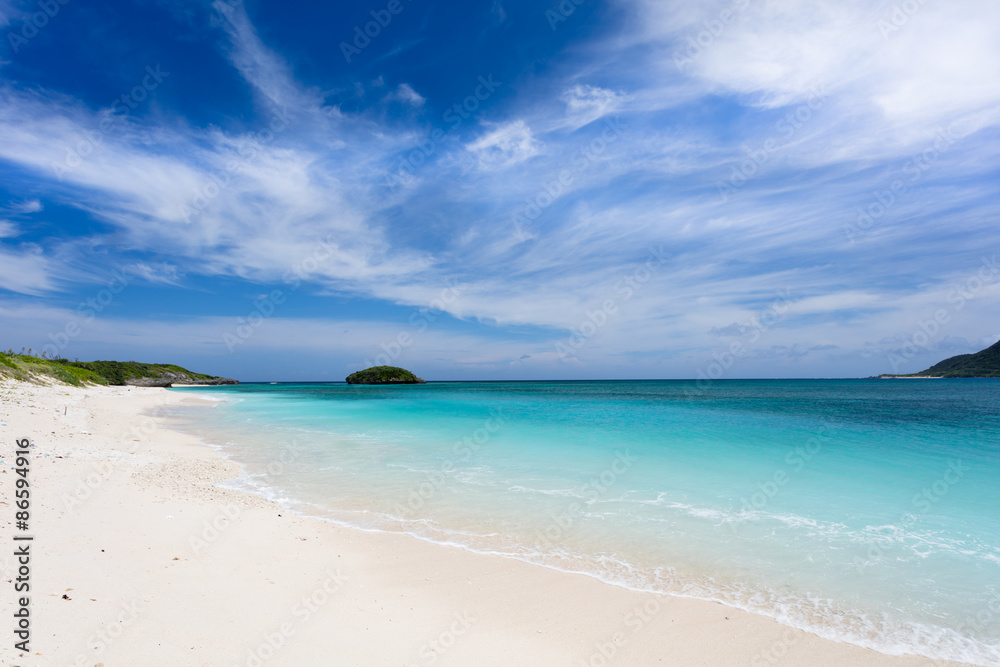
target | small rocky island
x=384, y=375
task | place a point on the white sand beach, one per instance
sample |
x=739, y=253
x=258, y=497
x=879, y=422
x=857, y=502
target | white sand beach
x=139, y=559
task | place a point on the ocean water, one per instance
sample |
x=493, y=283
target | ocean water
x=866, y=511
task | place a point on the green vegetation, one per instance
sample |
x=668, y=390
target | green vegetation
x=27, y=367
x=120, y=372
x=983, y=364
x=383, y=375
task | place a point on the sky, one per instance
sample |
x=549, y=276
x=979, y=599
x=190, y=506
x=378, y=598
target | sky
x=501, y=190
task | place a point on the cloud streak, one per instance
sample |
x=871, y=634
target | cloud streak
x=696, y=94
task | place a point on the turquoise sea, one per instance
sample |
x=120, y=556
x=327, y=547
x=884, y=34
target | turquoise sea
x=866, y=511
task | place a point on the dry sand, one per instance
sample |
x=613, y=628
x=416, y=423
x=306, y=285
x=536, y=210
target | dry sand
x=139, y=559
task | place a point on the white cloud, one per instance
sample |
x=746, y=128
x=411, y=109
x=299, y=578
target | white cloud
x=319, y=178
x=903, y=74
x=407, y=95
x=157, y=272
x=275, y=202
x=25, y=270
x=841, y=301
x=259, y=65
x=27, y=206
x=585, y=104
x=504, y=146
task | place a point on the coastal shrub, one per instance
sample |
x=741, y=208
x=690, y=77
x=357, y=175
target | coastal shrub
x=30, y=368
x=10, y=367
x=85, y=375
x=38, y=369
x=118, y=372
x=63, y=375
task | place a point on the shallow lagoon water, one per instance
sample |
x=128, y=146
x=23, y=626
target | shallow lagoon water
x=862, y=510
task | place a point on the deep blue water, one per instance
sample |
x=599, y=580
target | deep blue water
x=862, y=510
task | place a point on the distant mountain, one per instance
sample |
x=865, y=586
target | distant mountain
x=984, y=364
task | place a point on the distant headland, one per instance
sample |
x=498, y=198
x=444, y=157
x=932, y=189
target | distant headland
x=384, y=375
x=982, y=364
x=34, y=369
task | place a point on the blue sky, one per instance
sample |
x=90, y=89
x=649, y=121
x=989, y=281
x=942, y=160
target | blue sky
x=501, y=190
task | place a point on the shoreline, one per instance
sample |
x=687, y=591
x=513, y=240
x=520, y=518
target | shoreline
x=163, y=567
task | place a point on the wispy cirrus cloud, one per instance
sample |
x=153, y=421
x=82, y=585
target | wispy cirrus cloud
x=504, y=145
x=586, y=103
x=903, y=73
x=25, y=206
x=407, y=95
x=255, y=219
x=606, y=154
x=260, y=66
x=25, y=269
